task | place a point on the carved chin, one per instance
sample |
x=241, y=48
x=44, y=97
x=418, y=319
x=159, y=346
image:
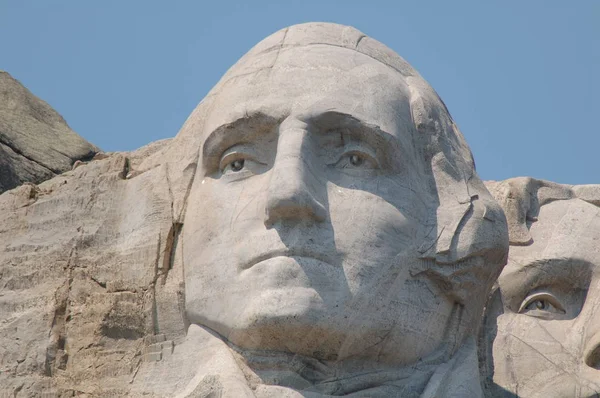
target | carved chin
x=289, y=320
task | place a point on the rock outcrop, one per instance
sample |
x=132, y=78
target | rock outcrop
x=85, y=272
x=317, y=228
x=541, y=330
x=35, y=141
x=78, y=265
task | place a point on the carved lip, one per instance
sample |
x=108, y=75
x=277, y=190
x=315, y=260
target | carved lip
x=289, y=252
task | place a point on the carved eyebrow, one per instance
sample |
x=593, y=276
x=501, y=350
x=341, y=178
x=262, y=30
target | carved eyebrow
x=574, y=270
x=241, y=130
x=249, y=127
x=393, y=151
x=336, y=120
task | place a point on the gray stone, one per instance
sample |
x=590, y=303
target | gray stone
x=35, y=141
x=336, y=238
x=81, y=259
x=151, y=340
x=152, y=356
x=316, y=228
x=541, y=331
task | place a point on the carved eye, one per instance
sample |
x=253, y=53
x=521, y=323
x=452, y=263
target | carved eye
x=541, y=305
x=234, y=161
x=357, y=159
x=232, y=165
x=236, y=165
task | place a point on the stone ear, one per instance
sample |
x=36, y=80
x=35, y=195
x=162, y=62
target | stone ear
x=465, y=208
x=462, y=202
x=467, y=242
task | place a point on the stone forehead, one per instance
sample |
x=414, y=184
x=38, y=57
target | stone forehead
x=333, y=35
x=434, y=133
x=565, y=229
x=265, y=54
x=521, y=199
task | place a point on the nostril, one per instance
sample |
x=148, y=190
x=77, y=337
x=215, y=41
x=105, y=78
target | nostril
x=592, y=359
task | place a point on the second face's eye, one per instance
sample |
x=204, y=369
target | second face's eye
x=356, y=160
x=542, y=305
x=539, y=305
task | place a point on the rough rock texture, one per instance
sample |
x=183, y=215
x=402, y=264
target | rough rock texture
x=35, y=141
x=336, y=238
x=541, y=332
x=317, y=228
x=84, y=258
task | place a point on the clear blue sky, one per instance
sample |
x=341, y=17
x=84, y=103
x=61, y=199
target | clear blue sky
x=519, y=77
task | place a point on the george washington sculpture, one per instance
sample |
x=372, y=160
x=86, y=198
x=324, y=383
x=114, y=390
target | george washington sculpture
x=336, y=238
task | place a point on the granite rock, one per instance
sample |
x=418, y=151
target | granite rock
x=336, y=239
x=35, y=141
x=316, y=228
x=541, y=330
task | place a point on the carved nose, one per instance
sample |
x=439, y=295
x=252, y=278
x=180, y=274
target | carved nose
x=290, y=197
x=293, y=189
x=296, y=206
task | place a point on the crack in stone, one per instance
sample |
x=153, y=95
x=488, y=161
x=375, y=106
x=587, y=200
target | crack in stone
x=19, y=152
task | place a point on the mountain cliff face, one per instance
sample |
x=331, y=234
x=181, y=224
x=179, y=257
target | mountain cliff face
x=35, y=141
x=86, y=243
x=87, y=272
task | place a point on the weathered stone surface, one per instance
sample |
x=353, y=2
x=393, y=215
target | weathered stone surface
x=35, y=141
x=316, y=228
x=82, y=257
x=336, y=239
x=541, y=334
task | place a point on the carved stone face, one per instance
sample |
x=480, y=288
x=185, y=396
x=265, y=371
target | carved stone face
x=325, y=213
x=307, y=209
x=548, y=331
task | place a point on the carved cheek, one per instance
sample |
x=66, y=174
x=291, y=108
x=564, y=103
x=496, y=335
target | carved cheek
x=526, y=347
